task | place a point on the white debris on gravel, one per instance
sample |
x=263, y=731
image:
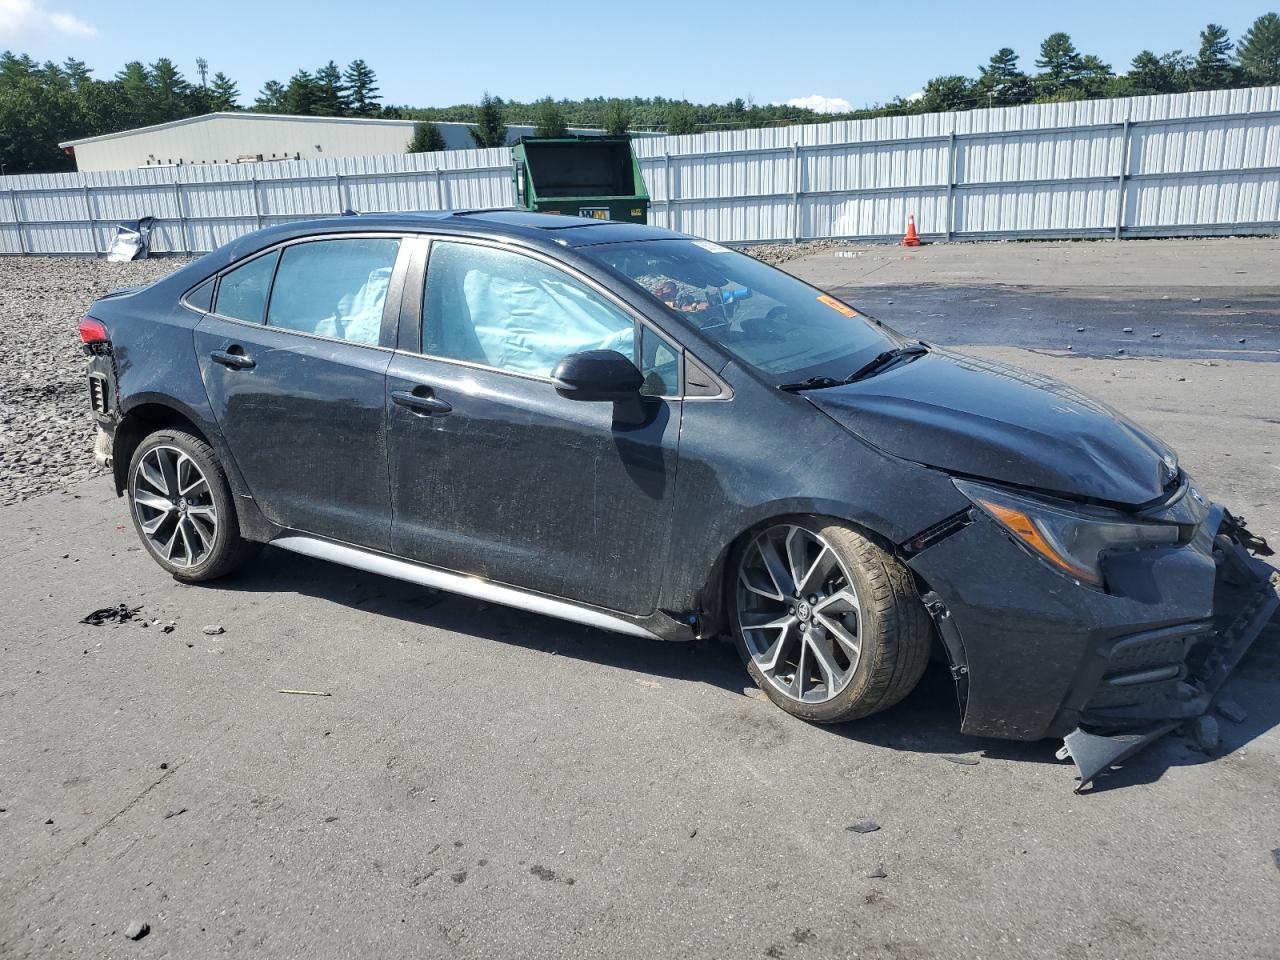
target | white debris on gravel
x=776, y=253
x=46, y=429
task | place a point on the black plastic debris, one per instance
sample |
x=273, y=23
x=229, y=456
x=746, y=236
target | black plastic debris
x=1232, y=711
x=863, y=826
x=121, y=613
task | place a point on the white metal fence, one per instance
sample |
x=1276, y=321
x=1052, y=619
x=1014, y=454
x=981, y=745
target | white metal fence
x=1185, y=164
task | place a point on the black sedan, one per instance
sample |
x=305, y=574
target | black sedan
x=653, y=434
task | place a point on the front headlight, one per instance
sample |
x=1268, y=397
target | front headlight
x=1072, y=539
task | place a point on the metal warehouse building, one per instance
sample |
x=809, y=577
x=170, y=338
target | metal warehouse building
x=242, y=137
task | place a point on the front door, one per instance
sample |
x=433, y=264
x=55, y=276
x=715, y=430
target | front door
x=493, y=473
x=294, y=359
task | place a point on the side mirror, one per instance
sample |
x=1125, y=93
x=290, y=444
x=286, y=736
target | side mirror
x=597, y=375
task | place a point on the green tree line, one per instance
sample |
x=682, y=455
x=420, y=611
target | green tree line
x=44, y=103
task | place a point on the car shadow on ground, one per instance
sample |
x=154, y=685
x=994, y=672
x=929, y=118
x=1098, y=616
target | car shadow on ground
x=926, y=721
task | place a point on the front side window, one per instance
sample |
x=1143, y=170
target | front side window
x=766, y=318
x=334, y=288
x=242, y=292
x=512, y=312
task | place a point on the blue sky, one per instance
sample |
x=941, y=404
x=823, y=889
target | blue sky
x=434, y=53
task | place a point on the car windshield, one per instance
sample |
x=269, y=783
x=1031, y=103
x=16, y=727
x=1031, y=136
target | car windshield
x=764, y=317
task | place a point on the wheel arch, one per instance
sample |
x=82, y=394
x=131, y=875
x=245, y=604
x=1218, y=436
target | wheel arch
x=714, y=593
x=149, y=413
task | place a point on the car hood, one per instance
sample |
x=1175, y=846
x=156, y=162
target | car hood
x=990, y=420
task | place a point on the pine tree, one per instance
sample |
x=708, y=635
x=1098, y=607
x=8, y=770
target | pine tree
x=271, y=99
x=549, y=120
x=1214, y=69
x=224, y=94
x=680, y=118
x=1259, y=50
x=1001, y=83
x=169, y=90
x=301, y=95
x=617, y=118
x=427, y=138
x=362, y=88
x=490, y=129
x=137, y=108
x=1060, y=62
x=332, y=99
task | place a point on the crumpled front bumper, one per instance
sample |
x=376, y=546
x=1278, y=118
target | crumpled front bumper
x=1036, y=655
x=1123, y=716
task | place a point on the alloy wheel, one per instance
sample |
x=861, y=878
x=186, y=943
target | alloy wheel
x=799, y=614
x=174, y=505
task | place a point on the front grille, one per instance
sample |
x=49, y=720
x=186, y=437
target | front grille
x=98, y=394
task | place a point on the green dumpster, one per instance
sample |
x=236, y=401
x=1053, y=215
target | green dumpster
x=580, y=176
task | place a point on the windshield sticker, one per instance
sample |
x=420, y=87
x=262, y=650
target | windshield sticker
x=837, y=306
x=710, y=247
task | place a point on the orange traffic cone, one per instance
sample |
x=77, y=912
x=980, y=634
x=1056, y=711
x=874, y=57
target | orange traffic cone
x=912, y=239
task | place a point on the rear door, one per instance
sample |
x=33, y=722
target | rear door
x=294, y=358
x=492, y=472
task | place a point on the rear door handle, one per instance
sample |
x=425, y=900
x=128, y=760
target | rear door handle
x=236, y=361
x=422, y=400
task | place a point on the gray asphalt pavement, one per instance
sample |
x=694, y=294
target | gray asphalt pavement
x=481, y=782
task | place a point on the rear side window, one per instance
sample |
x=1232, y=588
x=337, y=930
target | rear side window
x=242, y=292
x=334, y=288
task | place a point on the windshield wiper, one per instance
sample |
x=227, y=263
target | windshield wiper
x=882, y=360
x=878, y=362
x=813, y=383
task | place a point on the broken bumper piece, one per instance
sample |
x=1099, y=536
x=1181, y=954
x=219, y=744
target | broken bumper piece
x=1131, y=709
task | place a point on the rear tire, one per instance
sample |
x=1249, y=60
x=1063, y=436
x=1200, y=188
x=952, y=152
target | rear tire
x=182, y=508
x=828, y=623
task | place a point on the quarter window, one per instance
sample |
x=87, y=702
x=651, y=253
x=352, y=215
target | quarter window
x=511, y=312
x=334, y=288
x=660, y=364
x=242, y=292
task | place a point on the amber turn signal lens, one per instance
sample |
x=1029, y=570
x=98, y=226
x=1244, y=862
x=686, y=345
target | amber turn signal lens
x=1021, y=526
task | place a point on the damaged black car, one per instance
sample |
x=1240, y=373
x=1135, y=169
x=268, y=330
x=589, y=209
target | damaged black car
x=653, y=434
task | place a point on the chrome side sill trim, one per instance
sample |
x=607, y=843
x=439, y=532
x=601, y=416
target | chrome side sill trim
x=473, y=587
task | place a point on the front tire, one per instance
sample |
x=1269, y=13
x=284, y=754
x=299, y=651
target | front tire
x=829, y=624
x=182, y=508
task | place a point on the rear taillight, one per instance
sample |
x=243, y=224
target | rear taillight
x=93, y=331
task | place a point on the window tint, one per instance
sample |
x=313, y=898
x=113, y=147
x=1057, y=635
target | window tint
x=512, y=312
x=334, y=288
x=659, y=362
x=242, y=292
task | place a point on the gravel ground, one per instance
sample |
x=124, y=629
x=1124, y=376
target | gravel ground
x=46, y=432
x=777, y=253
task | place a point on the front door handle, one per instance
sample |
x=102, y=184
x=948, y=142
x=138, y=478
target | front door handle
x=234, y=358
x=422, y=400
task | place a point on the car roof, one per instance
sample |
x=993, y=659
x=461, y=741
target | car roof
x=565, y=231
